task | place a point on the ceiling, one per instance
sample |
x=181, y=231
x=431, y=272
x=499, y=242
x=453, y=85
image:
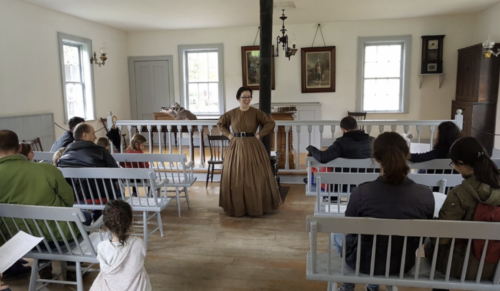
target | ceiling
x=143, y=15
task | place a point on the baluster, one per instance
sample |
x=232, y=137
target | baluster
x=202, y=149
x=321, y=129
x=159, y=127
x=419, y=130
x=432, y=128
x=191, y=140
x=129, y=127
x=287, y=140
x=297, y=128
x=309, y=130
x=393, y=127
x=169, y=132
x=368, y=129
x=380, y=129
x=210, y=130
x=179, y=132
x=151, y=138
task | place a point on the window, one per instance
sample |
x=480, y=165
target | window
x=201, y=71
x=76, y=74
x=383, y=74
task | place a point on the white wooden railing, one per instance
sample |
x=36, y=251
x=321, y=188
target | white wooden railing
x=311, y=127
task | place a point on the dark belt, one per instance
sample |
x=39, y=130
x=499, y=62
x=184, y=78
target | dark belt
x=244, y=134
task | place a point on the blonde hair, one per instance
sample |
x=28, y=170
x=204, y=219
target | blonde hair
x=57, y=156
x=136, y=139
x=103, y=141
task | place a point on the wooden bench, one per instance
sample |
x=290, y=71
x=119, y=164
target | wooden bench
x=341, y=185
x=329, y=266
x=78, y=248
x=173, y=167
x=99, y=185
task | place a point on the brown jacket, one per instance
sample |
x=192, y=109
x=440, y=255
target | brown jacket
x=460, y=204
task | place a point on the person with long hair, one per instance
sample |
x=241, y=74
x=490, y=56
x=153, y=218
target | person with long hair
x=248, y=185
x=26, y=150
x=121, y=257
x=481, y=184
x=392, y=196
x=448, y=133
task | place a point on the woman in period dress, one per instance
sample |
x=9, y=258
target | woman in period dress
x=248, y=185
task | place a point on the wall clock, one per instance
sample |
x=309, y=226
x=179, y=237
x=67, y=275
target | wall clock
x=432, y=54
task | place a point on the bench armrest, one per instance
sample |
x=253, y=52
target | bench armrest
x=162, y=183
x=94, y=226
x=190, y=165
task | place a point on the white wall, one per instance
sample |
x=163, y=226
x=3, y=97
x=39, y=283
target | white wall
x=426, y=103
x=488, y=22
x=30, y=72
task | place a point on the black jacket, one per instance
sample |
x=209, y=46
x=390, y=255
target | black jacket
x=432, y=155
x=63, y=141
x=379, y=199
x=86, y=154
x=354, y=144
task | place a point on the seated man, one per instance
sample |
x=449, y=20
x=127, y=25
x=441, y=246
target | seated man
x=67, y=137
x=84, y=153
x=354, y=144
x=27, y=183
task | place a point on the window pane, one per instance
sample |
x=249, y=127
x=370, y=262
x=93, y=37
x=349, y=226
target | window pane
x=213, y=98
x=74, y=98
x=381, y=95
x=72, y=59
x=213, y=67
x=193, y=97
x=202, y=97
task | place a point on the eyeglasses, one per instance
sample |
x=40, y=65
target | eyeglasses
x=246, y=98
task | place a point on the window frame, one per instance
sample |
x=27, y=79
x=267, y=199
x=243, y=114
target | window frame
x=87, y=73
x=183, y=50
x=404, y=97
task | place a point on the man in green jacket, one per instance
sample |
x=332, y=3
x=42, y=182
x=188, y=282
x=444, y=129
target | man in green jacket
x=27, y=183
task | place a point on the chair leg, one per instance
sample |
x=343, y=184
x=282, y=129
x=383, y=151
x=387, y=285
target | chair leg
x=34, y=273
x=79, y=280
x=212, y=174
x=187, y=196
x=145, y=225
x=208, y=175
x=178, y=201
x=160, y=224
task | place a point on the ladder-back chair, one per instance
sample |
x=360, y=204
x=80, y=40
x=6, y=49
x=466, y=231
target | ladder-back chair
x=218, y=145
x=357, y=116
x=36, y=144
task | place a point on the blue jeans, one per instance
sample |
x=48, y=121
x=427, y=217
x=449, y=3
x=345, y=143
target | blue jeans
x=338, y=242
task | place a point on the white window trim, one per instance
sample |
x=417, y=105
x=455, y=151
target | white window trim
x=405, y=70
x=182, y=49
x=86, y=44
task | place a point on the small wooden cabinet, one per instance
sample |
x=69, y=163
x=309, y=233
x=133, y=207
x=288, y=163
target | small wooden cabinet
x=282, y=141
x=477, y=93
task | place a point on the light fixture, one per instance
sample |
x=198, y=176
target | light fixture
x=488, y=45
x=289, y=51
x=103, y=57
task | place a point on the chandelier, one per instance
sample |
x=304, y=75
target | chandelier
x=488, y=45
x=289, y=51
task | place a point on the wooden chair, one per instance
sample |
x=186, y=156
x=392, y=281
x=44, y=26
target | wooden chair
x=36, y=144
x=358, y=116
x=105, y=123
x=218, y=145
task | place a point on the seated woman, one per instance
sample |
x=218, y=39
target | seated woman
x=448, y=133
x=481, y=184
x=391, y=196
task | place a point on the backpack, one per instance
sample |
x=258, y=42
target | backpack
x=489, y=213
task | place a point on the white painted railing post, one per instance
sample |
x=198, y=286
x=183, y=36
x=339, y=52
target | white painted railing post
x=297, y=150
x=459, y=119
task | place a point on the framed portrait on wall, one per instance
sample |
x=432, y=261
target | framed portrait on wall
x=250, y=61
x=318, y=69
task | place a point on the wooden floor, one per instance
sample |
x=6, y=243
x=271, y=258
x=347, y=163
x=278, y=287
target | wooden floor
x=206, y=250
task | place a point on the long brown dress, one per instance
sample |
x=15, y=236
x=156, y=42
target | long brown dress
x=248, y=185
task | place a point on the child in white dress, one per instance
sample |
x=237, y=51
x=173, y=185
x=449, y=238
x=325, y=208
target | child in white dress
x=122, y=257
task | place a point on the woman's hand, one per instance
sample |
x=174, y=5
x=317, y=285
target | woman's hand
x=257, y=135
x=230, y=136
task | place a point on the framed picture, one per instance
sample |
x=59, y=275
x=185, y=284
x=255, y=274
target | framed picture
x=432, y=54
x=318, y=69
x=250, y=61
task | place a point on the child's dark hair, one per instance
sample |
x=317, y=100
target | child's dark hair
x=103, y=141
x=469, y=151
x=448, y=133
x=390, y=149
x=117, y=218
x=136, y=139
x=26, y=148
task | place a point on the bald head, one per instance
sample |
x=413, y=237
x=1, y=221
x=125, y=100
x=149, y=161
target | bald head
x=84, y=131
